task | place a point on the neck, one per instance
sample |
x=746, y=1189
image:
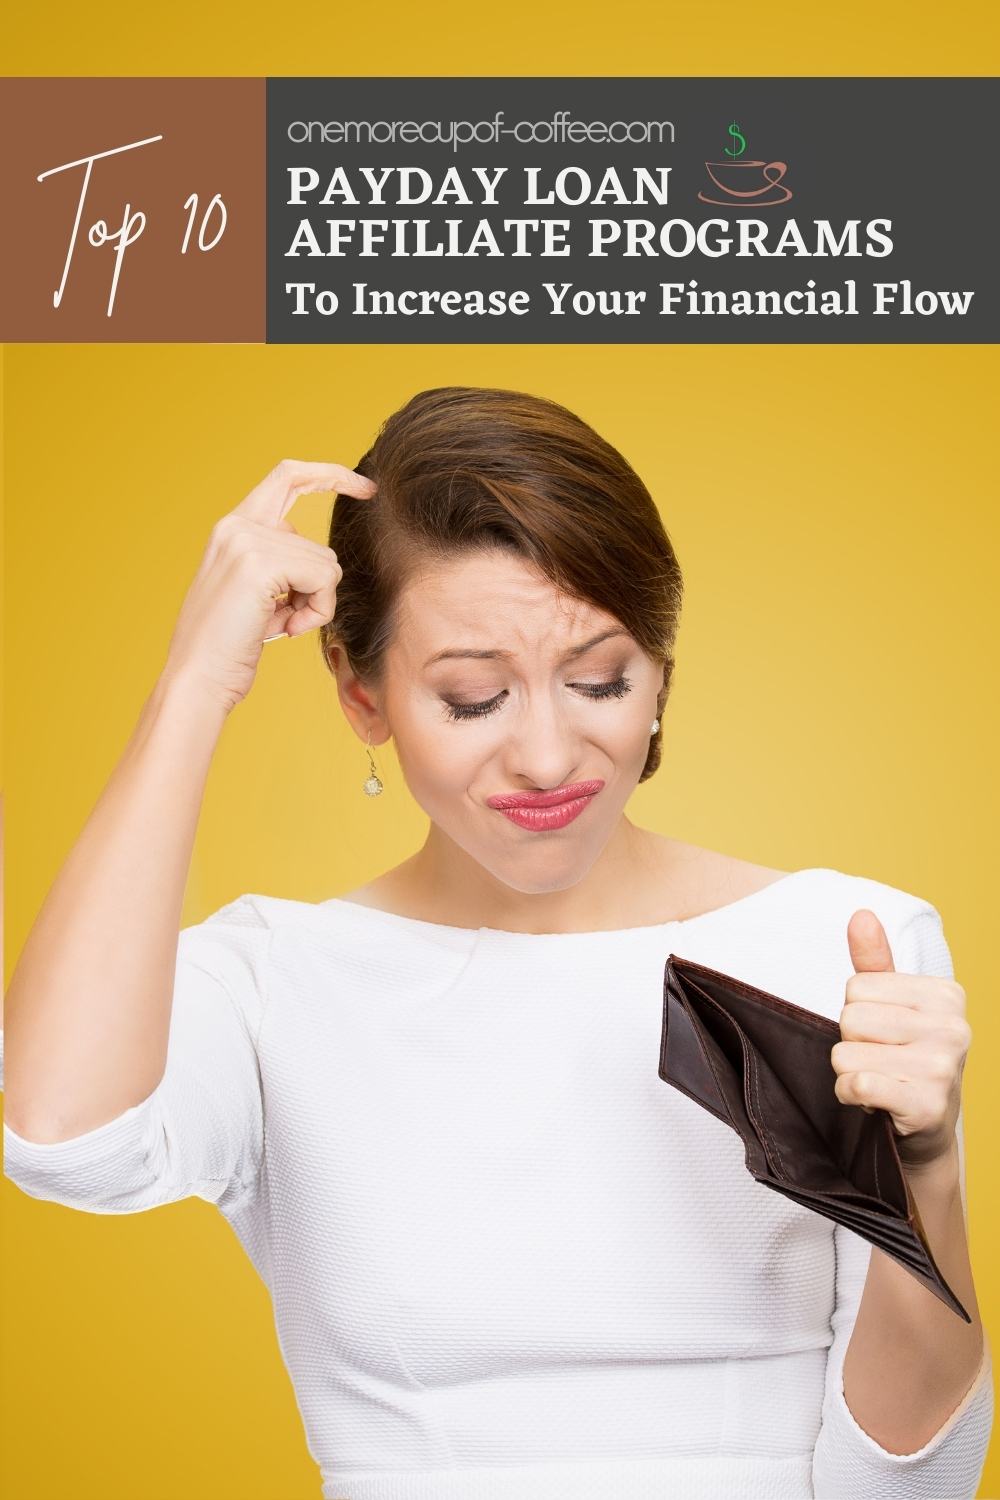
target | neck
x=622, y=888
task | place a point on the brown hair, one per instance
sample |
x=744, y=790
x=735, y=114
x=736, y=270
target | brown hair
x=465, y=467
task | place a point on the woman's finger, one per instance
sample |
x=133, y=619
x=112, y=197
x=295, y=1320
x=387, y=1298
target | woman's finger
x=269, y=501
x=312, y=609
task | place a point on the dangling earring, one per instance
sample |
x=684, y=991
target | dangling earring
x=372, y=785
x=656, y=725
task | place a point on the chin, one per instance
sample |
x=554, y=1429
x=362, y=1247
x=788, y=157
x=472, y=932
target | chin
x=534, y=877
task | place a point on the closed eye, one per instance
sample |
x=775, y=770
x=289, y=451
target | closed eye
x=616, y=689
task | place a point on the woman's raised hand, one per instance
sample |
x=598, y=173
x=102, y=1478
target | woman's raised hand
x=254, y=558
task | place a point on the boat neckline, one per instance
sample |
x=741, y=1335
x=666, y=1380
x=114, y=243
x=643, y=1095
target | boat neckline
x=418, y=923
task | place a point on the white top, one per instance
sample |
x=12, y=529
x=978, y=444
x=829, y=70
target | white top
x=508, y=1261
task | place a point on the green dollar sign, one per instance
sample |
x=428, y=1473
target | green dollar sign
x=734, y=131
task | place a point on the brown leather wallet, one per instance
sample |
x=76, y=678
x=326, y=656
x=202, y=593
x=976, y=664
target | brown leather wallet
x=763, y=1066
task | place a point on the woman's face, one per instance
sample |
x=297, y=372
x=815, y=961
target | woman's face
x=529, y=711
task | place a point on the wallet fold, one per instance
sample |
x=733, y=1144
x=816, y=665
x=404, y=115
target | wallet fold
x=762, y=1065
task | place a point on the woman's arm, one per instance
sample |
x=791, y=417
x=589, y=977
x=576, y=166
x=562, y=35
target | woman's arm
x=847, y=1458
x=911, y=1359
x=908, y=1400
x=88, y=1008
x=89, y=1005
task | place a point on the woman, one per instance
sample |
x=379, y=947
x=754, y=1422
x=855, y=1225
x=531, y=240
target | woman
x=506, y=1259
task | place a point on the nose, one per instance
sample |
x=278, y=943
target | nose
x=543, y=749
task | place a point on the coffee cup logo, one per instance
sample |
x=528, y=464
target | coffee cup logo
x=741, y=179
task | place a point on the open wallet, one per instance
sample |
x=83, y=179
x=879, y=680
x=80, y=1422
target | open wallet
x=762, y=1065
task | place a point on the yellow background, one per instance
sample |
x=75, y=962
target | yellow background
x=834, y=699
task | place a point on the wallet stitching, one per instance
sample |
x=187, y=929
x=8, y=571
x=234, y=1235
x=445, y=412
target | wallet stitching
x=764, y=1130
x=752, y=1094
x=755, y=1080
x=931, y=1273
x=747, y=1052
x=774, y=1002
x=705, y=1054
x=727, y=1118
x=752, y=993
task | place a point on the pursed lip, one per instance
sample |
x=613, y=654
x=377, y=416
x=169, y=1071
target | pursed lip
x=546, y=799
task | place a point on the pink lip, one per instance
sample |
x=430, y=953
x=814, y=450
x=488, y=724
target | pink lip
x=539, y=811
x=576, y=789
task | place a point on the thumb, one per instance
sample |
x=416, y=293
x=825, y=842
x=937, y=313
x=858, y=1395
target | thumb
x=868, y=943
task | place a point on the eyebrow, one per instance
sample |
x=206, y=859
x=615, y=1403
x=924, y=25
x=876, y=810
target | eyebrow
x=487, y=654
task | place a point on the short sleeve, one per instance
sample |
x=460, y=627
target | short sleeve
x=200, y=1133
x=848, y=1464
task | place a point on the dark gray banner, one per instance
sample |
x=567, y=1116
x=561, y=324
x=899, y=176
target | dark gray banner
x=631, y=210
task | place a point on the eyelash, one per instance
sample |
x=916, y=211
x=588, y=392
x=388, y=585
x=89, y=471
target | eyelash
x=616, y=689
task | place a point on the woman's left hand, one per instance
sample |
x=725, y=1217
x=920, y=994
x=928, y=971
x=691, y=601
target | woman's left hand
x=905, y=1040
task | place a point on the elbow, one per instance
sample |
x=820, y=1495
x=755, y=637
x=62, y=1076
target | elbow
x=43, y=1125
x=119, y=1167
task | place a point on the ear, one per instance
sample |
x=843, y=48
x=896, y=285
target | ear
x=361, y=704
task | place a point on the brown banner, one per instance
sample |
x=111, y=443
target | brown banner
x=134, y=209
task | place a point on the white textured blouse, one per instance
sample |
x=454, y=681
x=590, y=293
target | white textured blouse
x=507, y=1260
